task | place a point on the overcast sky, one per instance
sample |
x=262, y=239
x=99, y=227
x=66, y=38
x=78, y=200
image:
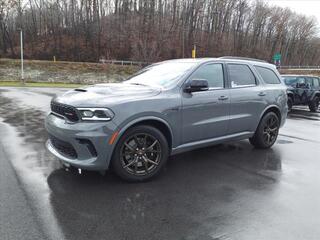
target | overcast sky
x=307, y=7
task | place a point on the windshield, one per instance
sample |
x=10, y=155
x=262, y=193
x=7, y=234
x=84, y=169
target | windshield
x=289, y=81
x=164, y=74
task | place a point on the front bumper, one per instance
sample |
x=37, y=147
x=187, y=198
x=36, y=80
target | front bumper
x=78, y=135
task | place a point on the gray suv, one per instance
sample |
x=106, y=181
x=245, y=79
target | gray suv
x=167, y=108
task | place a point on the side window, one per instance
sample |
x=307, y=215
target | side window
x=241, y=75
x=268, y=76
x=309, y=82
x=213, y=73
x=301, y=80
x=316, y=82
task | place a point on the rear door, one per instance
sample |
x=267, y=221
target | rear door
x=205, y=114
x=316, y=84
x=247, y=98
x=309, y=89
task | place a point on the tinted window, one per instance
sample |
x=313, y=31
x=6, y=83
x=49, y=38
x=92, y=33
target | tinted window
x=288, y=80
x=241, y=75
x=268, y=76
x=213, y=73
x=316, y=82
x=301, y=80
x=309, y=82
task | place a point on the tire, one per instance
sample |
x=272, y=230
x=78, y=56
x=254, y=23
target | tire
x=314, y=104
x=290, y=104
x=140, y=154
x=267, y=131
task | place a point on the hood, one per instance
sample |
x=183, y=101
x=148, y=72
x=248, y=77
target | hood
x=105, y=95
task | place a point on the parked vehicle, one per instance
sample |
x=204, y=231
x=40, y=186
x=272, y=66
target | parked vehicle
x=303, y=90
x=167, y=108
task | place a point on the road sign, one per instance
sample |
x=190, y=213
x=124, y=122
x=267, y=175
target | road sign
x=277, y=57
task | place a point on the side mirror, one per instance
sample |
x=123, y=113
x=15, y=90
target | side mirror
x=197, y=85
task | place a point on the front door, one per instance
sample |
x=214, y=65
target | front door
x=205, y=114
x=300, y=94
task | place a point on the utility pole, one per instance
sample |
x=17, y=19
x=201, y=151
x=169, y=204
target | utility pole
x=21, y=47
x=21, y=40
x=183, y=41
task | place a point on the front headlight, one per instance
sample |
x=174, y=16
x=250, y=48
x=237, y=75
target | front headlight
x=96, y=114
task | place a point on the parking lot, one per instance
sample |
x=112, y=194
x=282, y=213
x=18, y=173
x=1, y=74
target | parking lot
x=228, y=191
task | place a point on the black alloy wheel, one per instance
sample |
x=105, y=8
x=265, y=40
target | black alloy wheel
x=140, y=154
x=267, y=131
x=314, y=104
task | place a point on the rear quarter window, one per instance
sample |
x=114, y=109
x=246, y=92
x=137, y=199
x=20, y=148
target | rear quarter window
x=268, y=75
x=316, y=82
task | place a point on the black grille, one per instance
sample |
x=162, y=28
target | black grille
x=64, y=110
x=63, y=147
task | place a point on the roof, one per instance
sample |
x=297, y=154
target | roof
x=224, y=59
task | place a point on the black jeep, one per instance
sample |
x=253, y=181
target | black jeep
x=303, y=90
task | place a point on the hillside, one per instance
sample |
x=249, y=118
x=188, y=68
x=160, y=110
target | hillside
x=64, y=72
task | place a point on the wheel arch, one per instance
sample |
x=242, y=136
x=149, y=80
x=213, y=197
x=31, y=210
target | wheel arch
x=316, y=94
x=272, y=108
x=290, y=95
x=156, y=122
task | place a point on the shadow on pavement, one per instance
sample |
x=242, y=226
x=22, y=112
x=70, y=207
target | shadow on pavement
x=303, y=113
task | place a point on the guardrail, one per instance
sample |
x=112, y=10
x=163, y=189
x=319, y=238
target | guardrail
x=119, y=62
x=300, y=67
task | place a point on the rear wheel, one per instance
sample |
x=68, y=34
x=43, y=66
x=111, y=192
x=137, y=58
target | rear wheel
x=140, y=154
x=267, y=131
x=314, y=104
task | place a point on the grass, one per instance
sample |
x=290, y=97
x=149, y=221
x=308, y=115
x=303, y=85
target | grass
x=62, y=72
x=73, y=67
x=38, y=84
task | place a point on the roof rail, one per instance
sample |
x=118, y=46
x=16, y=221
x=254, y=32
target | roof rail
x=243, y=58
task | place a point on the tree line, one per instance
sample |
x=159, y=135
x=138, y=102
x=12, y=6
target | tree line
x=153, y=30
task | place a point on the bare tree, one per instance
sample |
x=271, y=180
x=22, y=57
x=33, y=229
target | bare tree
x=85, y=30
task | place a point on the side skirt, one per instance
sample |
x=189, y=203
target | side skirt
x=209, y=142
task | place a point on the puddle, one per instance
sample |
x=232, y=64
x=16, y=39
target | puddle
x=281, y=141
x=24, y=141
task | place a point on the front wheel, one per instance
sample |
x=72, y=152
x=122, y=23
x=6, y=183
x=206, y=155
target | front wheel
x=267, y=131
x=140, y=154
x=314, y=104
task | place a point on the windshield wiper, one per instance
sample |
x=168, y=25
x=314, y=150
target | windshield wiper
x=150, y=86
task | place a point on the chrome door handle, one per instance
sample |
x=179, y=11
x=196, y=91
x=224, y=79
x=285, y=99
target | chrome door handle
x=261, y=94
x=222, y=98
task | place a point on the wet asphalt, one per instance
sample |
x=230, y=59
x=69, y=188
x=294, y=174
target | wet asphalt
x=228, y=191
